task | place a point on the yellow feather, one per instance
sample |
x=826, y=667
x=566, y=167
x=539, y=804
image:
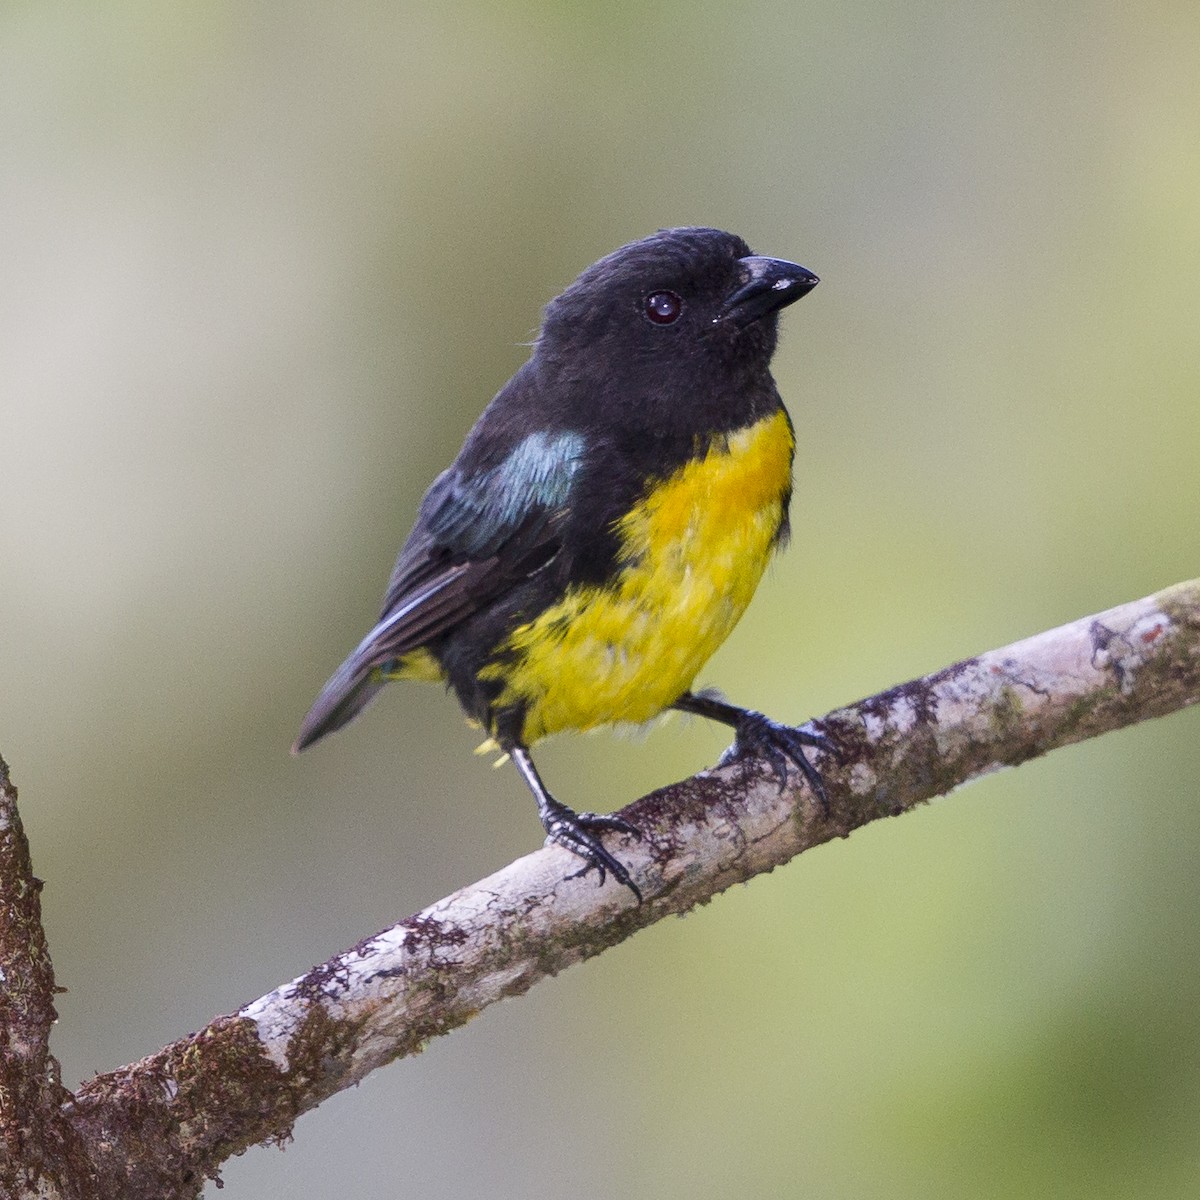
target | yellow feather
x=418, y=664
x=692, y=554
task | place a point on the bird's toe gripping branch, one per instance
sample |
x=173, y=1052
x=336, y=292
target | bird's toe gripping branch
x=577, y=832
x=574, y=831
x=783, y=744
x=755, y=733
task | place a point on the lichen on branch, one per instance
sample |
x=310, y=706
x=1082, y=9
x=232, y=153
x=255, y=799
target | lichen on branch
x=159, y=1127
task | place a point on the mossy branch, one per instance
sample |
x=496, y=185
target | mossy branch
x=158, y=1128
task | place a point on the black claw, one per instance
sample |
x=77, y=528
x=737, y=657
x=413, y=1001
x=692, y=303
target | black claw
x=755, y=733
x=573, y=831
x=608, y=821
x=781, y=745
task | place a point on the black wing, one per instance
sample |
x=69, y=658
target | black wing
x=477, y=535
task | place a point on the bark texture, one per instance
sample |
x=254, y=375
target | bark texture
x=160, y=1127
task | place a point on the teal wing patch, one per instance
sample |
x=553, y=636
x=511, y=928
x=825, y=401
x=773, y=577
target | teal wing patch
x=477, y=515
x=475, y=537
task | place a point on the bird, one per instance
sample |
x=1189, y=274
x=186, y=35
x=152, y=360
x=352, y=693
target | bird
x=605, y=523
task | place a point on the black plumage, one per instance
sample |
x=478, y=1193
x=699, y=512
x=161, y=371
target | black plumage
x=653, y=359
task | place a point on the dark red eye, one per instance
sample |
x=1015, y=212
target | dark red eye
x=663, y=308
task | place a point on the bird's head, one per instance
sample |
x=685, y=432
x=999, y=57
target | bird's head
x=688, y=297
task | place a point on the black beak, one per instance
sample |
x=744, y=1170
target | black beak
x=769, y=285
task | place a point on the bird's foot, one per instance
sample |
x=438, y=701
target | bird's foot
x=577, y=832
x=780, y=745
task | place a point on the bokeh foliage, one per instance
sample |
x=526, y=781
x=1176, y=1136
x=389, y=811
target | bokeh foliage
x=264, y=263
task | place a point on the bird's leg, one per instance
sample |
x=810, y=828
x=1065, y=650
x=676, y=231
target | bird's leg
x=575, y=831
x=780, y=744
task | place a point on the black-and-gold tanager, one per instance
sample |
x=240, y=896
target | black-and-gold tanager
x=606, y=521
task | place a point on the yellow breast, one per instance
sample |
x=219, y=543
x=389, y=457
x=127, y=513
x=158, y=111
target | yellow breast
x=692, y=553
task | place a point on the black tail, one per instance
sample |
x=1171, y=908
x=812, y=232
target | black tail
x=351, y=688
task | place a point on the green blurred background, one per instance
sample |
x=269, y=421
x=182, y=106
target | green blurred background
x=263, y=265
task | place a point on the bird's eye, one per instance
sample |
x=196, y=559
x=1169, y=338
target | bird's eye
x=663, y=308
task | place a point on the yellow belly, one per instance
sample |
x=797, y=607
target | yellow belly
x=693, y=552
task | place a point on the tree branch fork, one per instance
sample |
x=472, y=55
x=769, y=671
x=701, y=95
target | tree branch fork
x=161, y=1127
